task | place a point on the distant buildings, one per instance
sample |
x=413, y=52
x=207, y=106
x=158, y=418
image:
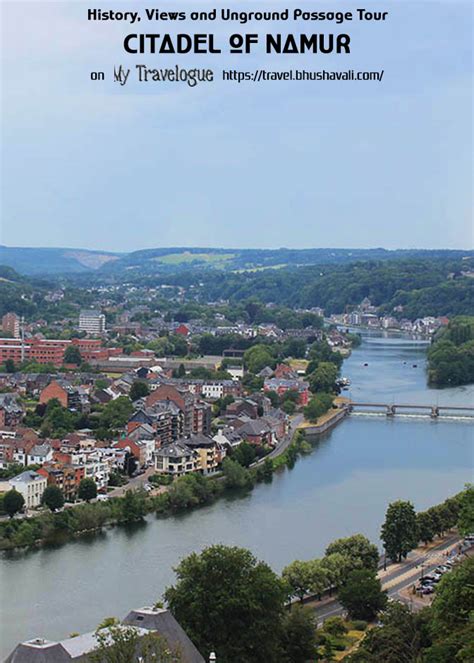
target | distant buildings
x=92, y=322
x=282, y=385
x=70, y=397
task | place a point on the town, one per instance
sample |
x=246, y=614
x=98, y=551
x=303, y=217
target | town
x=179, y=398
x=83, y=410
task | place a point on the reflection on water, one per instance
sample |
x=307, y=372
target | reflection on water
x=340, y=488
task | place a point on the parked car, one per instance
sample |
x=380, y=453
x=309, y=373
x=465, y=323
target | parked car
x=429, y=579
x=442, y=568
x=426, y=589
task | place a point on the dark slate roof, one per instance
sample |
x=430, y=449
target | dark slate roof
x=174, y=450
x=198, y=440
x=163, y=622
x=76, y=649
x=254, y=427
x=38, y=651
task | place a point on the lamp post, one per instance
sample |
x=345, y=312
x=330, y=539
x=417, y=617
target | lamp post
x=422, y=568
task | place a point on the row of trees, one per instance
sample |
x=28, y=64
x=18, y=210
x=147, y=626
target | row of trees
x=332, y=571
x=13, y=501
x=55, y=526
x=403, y=528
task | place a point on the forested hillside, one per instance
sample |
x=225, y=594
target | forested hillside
x=451, y=358
x=422, y=287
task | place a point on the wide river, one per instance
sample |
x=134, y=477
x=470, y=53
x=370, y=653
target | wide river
x=341, y=488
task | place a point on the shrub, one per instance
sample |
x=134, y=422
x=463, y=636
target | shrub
x=335, y=626
x=359, y=625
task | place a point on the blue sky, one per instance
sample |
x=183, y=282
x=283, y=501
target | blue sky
x=95, y=165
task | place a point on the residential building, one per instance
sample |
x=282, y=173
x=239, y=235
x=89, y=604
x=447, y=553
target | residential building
x=76, y=649
x=258, y=431
x=66, y=477
x=31, y=485
x=207, y=450
x=282, y=385
x=71, y=397
x=11, y=412
x=197, y=415
x=39, y=454
x=175, y=459
x=92, y=321
x=11, y=324
x=228, y=437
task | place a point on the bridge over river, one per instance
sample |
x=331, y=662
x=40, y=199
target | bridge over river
x=391, y=409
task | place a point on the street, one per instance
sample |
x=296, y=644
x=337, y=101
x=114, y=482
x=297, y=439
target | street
x=397, y=577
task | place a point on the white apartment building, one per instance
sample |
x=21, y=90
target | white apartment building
x=92, y=321
x=31, y=485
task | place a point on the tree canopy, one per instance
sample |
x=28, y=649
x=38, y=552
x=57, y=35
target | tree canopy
x=230, y=603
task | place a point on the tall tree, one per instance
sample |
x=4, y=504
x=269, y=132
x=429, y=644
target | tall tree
x=453, y=605
x=399, y=531
x=323, y=378
x=362, y=595
x=319, y=577
x=139, y=389
x=299, y=577
x=72, y=355
x=299, y=642
x=53, y=498
x=87, y=489
x=13, y=502
x=358, y=549
x=337, y=567
x=466, y=513
x=230, y=603
x=425, y=524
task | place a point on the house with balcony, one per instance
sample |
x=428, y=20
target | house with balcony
x=175, y=459
x=207, y=451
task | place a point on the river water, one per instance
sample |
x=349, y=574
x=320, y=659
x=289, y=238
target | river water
x=341, y=488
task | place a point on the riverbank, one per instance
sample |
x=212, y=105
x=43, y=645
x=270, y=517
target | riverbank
x=184, y=494
x=327, y=420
